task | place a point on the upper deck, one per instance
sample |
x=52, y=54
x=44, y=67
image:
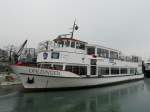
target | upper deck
x=73, y=46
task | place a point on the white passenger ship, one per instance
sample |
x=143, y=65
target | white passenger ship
x=69, y=63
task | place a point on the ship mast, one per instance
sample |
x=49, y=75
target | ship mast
x=75, y=27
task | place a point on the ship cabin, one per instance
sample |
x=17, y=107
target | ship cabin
x=63, y=54
x=86, y=60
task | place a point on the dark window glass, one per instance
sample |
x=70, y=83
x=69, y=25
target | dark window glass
x=83, y=70
x=77, y=45
x=69, y=68
x=113, y=55
x=46, y=66
x=90, y=50
x=133, y=70
x=93, y=70
x=102, y=53
x=75, y=69
x=82, y=46
x=123, y=71
x=129, y=59
x=73, y=44
x=67, y=43
x=58, y=67
x=60, y=44
x=135, y=59
x=93, y=61
x=55, y=55
x=103, y=71
x=80, y=70
x=114, y=71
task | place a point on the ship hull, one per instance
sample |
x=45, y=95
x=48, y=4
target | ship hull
x=43, y=83
x=41, y=79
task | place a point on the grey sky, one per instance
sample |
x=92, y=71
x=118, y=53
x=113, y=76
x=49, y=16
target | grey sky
x=120, y=24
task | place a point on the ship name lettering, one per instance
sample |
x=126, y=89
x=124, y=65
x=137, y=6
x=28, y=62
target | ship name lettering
x=44, y=72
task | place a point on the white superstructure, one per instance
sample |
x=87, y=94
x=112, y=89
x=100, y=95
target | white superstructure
x=68, y=62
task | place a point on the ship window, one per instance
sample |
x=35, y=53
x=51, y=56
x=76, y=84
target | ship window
x=134, y=59
x=90, y=50
x=93, y=70
x=93, y=61
x=80, y=70
x=69, y=68
x=57, y=67
x=123, y=71
x=102, y=53
x=67, y=43
x=77, y=45
x=75, y=69
x=114, y=71
x=133, y=70
x=46, y=66
x=82, y=46
x=128, y=59
x=103, y=71
x=113, y=55
x=60, y=43
x=55, y=55
x=83, y=70
x=73, y=44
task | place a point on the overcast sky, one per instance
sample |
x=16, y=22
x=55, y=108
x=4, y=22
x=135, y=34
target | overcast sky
x=120, y=24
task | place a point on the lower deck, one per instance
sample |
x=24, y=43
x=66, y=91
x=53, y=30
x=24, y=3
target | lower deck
x=92, y=70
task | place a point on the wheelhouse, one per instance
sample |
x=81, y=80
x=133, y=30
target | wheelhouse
x=69, y=42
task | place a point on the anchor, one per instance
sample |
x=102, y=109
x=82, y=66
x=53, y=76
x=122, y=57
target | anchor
x=30, y=81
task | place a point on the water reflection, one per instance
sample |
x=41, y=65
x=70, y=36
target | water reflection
x=9, y=97
x=108, y=99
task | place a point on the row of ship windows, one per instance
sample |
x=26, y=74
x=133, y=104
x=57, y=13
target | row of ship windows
x=78, y=45
x=55, y=55
x=62, y=44
x=113, y=71
x=102, y=52
x=82, y=70
x=110, y=54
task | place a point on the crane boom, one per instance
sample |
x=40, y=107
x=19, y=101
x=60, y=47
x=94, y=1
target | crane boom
x=21, y=48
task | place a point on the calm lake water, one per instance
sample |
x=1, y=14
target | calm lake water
x=131, y=97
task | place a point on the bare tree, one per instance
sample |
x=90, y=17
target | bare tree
x=11, y=50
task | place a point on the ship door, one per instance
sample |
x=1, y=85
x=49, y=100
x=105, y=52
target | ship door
x=93, y=66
